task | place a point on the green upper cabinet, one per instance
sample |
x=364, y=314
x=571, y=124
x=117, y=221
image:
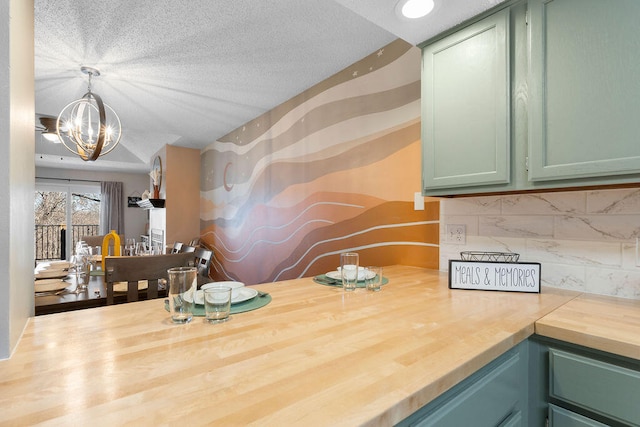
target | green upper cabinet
x=465, y=101
x=535, y=95
x=584, y=105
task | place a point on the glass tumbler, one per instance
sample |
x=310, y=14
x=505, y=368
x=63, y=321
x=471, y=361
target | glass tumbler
x=217, y=303
x=349, y=262
x=182, y=291
x=373, y=278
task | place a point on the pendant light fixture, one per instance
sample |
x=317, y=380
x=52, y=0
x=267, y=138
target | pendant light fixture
x=88, y=127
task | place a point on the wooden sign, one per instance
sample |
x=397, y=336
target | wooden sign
x=495, y=276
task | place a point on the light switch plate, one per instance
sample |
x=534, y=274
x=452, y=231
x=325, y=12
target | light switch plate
x=418, y=201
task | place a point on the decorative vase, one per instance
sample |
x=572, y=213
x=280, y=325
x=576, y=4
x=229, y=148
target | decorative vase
x=156, y=192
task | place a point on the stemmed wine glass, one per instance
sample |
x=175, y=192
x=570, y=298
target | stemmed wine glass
x=141, y=249
x=155, y=249
x=130, y=247
x=81, y=263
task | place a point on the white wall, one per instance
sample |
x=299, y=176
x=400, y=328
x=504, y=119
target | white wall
x=135, y=219
x=17, y=117
x=584, y=240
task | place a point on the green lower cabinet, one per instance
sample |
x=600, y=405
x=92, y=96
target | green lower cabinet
x=514, y=420
x=560, y=417
x=604, y=388
x=495, y=396
x=580, y=386
x=541, y=382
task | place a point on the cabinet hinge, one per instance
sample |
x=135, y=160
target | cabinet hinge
x=546, y=422
x=526, y=17
x=526, y=163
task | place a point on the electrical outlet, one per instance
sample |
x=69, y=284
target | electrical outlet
x=456, y=233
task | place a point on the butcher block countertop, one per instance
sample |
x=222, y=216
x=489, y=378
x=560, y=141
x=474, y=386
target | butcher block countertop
x=314, y=356
x=604, y=323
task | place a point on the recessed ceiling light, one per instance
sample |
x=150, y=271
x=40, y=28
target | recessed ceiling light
x=413, y=9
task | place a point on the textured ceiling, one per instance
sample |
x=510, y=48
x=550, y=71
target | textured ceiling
x=187, y=72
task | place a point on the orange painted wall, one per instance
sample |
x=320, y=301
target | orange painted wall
x=182, y=177
x=333, y=169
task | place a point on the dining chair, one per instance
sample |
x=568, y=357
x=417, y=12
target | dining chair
x=132, y=269
x=187, y=248
x=202, y=261
x=93, y=241
x=176, y=247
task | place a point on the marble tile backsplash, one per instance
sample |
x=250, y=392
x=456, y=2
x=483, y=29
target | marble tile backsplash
x=585, y=240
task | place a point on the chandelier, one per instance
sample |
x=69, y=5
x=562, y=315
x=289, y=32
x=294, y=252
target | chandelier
x=88, y=127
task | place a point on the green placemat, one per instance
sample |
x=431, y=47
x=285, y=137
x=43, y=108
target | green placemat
x=252, y=304
x=323, y=279
x=96, y=273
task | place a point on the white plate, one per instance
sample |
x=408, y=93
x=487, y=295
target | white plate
x=362, y=275
x=53, y=265
x=235, y=286
x=50, y=285
x=244, y=294
x=51, y=274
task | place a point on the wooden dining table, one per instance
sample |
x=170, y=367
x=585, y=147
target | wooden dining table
x=94, y=296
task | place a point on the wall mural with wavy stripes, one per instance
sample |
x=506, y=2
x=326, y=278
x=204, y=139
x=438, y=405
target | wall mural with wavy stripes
x=333, y=169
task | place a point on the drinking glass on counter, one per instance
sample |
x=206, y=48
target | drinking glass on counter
x=373, y=278
x=217, y=303
x=349, y=262
x=182, y=292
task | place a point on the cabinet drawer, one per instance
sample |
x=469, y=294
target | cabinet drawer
x=491, y=398
x=560, y=417
x=597, y=386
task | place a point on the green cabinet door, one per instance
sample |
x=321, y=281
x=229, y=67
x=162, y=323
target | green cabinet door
x=584, y=89
x=494, y=396
x=598, y=386
x=465, y=103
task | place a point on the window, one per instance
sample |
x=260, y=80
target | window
x=63, y=215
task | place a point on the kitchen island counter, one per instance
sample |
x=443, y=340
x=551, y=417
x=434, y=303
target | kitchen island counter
x=314, y=356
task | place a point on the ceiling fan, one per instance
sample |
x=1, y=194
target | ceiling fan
x=48, y=128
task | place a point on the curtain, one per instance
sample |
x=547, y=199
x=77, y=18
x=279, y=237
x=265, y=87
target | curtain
x=111, y=208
